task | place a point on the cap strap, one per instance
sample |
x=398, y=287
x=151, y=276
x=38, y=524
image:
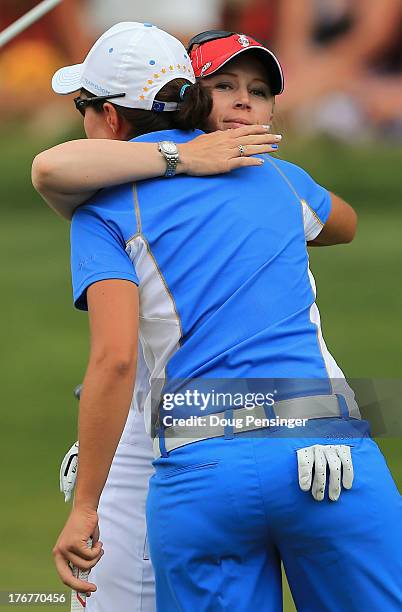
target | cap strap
x=160, y=107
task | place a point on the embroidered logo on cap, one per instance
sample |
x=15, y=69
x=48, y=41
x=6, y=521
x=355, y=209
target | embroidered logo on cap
x=205, y=67
x=243, y=40
x=158, y=107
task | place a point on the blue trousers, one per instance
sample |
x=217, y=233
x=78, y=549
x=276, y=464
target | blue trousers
x=223, y=513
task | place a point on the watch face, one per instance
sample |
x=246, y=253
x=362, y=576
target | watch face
x=169, y=147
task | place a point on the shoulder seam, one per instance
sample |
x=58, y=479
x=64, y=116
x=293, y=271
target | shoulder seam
x=292, y=187
x=285, y=178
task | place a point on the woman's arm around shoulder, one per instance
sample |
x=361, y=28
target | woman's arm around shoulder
x=68, y=174
x=340, y=227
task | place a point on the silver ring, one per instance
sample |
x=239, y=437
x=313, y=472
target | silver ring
x=242, y=150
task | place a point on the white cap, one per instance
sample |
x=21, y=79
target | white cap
x=136, y=59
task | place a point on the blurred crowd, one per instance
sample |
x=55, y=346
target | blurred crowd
x=342, y=58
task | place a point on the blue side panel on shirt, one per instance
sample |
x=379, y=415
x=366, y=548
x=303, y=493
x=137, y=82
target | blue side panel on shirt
x=233, y=254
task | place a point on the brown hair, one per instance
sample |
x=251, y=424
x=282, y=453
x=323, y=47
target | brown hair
x=192, y=113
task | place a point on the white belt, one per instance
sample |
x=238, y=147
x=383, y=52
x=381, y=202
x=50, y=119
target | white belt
x=311, y=407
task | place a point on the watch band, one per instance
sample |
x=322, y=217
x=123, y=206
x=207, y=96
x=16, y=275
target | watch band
x=171, y=165
x=170, y=152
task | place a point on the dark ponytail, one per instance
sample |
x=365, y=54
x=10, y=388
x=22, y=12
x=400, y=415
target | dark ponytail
x=193, y=111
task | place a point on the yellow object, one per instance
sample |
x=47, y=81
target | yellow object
x=27, y=66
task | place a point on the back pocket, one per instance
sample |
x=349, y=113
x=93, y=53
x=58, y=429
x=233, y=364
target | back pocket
x=190, y=468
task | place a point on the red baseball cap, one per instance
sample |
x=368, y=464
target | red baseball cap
x=211, y=55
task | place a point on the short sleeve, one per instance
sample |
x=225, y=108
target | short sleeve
x=316, y=202
x=315, y=199
x=97, y=253
x=312, y=222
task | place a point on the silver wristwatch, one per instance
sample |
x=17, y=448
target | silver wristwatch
x=170, y=152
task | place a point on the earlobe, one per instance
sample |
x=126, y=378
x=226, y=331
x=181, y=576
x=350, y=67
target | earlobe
x=118, y=126
x=112, y=118
x=113, y=121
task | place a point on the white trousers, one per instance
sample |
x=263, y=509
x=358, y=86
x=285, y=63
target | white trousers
x=124, y=576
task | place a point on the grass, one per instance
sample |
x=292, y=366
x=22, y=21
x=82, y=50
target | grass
x=44, y=341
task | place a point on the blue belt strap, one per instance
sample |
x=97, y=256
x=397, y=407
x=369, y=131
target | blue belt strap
x=161, y=439
x=343, y=407
x=228, y=429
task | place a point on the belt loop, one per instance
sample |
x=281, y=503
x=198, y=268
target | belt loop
x=229, y=429
x=269, y=411
x=343, y=406
x=161, y=442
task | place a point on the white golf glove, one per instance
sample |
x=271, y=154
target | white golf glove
x=339, y=460
x=68, y=472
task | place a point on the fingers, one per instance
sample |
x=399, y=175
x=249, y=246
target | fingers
x=339, y=460
x=257, y=149
x=82, y=559
x=246, y=130
x=215, y=153
x=334, y=464
x=242, y=162
x=83, y=551
x=345, y=456
x=305, y=462
x=80, y=555
x=320, y=473
x=258, y=139
x=65, y=572
x=81, y=563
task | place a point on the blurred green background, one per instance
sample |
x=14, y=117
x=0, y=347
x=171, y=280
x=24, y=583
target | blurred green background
x=44, y=340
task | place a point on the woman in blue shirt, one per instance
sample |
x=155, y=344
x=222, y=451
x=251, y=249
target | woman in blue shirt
x=225, y=292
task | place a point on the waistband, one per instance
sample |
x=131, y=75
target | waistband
x=196, y=429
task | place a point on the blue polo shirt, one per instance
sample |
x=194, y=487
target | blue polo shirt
x=221, y=264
